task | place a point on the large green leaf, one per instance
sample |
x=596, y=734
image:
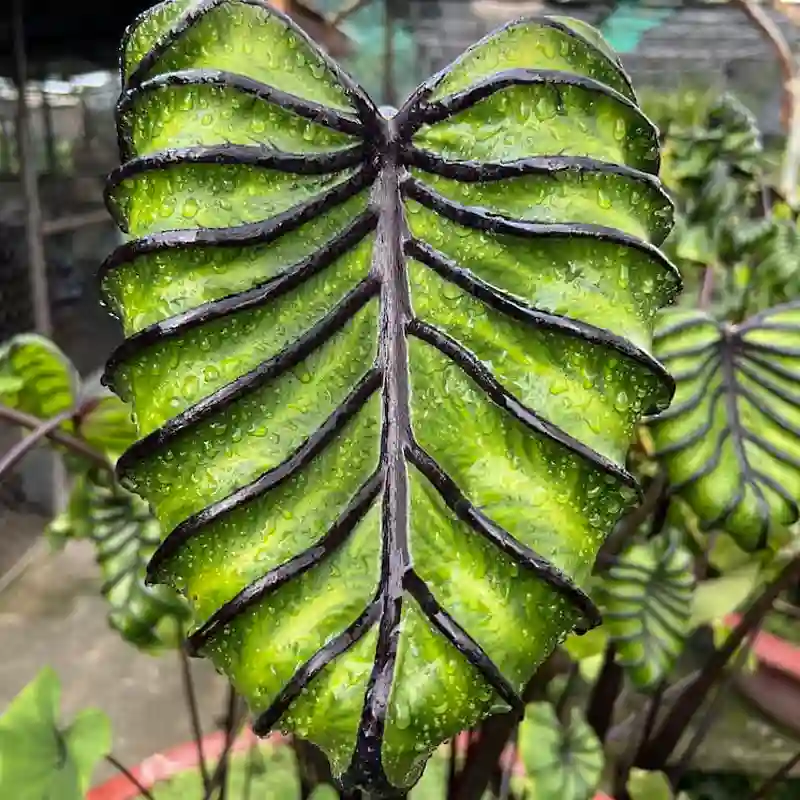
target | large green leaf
x=562, y=761
x=731, y=440
x=386, y=370
x=647, y=604
x=125, y=535
x=36, y=376
x=40, y=759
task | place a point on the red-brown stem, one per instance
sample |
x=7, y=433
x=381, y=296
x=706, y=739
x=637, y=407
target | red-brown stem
x=46, y=429
x=190, y=696
x=707, y=289
x=659, y=749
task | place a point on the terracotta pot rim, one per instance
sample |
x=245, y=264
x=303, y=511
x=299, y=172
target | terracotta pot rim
x=175, y=761
x=773, y=651
x=182, y=758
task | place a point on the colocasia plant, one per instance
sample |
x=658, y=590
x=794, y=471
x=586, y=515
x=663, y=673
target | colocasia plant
x=385, y=364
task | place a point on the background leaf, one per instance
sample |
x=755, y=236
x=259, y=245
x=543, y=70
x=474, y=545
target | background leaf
x=586, y=645
x=647, y=603
x=325, y=792
x=108, y=426
x=125, y=534
x=10, y=386
x=715, y=598
x=39, y=378
x=731, y=440
x=643, y=785
x=107, y=423
x=39, y=760
x=562, y=762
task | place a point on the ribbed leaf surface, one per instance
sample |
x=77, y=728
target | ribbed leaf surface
x=731, y=440
x=647, y=606
x=386, y=370
x=44, y=381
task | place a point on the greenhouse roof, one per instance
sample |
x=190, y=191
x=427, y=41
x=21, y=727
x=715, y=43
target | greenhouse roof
x=79, y=36
x=68, y=37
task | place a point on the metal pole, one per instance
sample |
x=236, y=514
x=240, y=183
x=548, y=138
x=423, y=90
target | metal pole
x=49, y=132
x=6, y=158
x=37, y=262
x=37, y=265
x=389, y=88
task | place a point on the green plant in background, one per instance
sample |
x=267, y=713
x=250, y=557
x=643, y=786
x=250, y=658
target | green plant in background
x=644, y=785
x=44, y=388
x=713, y=173
x=730, y=219
x=40, y=758
x=561, y=760
x=647, y=605
x=125, y=535
x=37, y=377
x=730, y=440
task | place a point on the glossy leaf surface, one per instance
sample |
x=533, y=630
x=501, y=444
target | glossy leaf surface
x=385, y=370
x=647, y=604
x=731, y=440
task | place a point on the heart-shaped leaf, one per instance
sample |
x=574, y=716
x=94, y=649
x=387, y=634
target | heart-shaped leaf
x=731, y=440
x=386, y=370
x=647, y=605
x=40, y=760
x=562, y=761
x=125, y=535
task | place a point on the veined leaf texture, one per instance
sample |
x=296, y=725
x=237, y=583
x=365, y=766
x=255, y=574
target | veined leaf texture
x=385, y=369
x=647, y=599
x=731, y=440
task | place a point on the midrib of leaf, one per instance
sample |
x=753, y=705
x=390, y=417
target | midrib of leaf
x=732, y=391
x=396, y=313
